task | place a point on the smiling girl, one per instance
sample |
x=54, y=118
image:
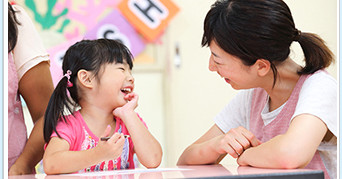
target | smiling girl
x=99, y=80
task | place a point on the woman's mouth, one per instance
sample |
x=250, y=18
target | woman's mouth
x=227, y=80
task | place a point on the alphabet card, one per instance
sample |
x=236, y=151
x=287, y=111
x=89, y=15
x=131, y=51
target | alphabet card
x=115, y=26
x=149, y=17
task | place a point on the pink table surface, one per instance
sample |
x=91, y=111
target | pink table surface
x=195, y=171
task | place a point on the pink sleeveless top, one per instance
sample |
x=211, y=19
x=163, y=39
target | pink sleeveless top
x=17, y=134
x=281, y=123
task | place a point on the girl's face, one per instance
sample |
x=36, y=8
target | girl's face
x=115, y=82
x=231, y=68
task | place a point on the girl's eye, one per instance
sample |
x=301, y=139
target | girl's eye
x=122, y=69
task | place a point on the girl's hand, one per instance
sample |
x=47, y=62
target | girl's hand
x=235, y=141
x=132, y=103
x=112, y=148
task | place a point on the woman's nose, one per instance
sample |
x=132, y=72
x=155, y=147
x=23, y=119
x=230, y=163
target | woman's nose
x=212, y=66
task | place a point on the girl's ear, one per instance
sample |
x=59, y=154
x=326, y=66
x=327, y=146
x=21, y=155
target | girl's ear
x=84, y=78
x=262, y=66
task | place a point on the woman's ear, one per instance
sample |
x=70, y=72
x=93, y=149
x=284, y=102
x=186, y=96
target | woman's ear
x=84, y=77
x=262, y=66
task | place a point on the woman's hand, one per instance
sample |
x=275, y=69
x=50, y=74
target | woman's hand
x=235, y=142
x=19, y=169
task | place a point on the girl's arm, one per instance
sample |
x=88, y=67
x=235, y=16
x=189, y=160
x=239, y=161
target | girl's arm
x=36, y=88
x=213, y=146
x=147, y=148
x=294, y=149
x=58, y=159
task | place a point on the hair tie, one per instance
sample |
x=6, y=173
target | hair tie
x=297, y=35
x=67, y=74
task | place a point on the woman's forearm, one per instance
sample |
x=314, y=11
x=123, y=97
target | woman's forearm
x=200, y=153
x=276, y=153
x=33, y=150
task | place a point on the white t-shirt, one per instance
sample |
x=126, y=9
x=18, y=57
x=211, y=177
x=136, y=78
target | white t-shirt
x=318, y=97
x=29, y=50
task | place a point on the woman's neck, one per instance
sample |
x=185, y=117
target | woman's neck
x=287, y=79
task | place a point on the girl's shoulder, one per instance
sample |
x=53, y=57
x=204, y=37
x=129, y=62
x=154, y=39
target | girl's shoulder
x=73, y=119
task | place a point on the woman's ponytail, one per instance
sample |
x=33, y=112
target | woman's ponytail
x=316, y=53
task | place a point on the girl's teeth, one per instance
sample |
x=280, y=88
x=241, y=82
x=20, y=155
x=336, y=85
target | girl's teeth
x=128, y=90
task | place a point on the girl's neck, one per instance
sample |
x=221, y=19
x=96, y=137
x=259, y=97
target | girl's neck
x=97, y=119
x=287, y=79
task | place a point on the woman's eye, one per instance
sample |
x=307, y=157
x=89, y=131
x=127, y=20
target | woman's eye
x=217, y=63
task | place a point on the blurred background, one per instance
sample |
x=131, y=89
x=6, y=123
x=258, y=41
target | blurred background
x=178, y=95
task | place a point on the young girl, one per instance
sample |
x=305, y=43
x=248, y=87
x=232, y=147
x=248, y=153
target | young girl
x=286, y=115
x=98, y=78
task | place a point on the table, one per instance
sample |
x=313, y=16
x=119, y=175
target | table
x=194, y=171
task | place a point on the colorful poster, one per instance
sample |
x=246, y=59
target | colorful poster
x=56, y=59
x=114, y=26
x=149, y=17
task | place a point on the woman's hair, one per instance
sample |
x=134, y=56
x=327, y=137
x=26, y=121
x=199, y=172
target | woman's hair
x=262, y=29
x=88, y=55
x=12, y=28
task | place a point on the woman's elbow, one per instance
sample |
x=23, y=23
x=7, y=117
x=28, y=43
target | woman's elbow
x=289, y=159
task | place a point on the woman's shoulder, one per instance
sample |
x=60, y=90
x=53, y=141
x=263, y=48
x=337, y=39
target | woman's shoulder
x=320, y=79
x=20, y=12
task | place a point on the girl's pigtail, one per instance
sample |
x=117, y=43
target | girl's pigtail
x=59, y=101
x=316, y=52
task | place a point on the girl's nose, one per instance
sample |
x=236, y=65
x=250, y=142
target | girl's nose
x=131, y=79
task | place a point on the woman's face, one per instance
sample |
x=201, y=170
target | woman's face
x=231, y=68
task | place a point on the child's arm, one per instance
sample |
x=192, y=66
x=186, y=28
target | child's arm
x=58, y=159
x=214, y=145
x=147, y=148
x=294, y=149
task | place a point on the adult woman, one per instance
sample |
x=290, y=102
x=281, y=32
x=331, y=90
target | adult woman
x=28, y=76
x=286, y=116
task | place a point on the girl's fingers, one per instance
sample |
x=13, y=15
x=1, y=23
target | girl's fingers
x=106, y=132
x=115, y=137
x=130, y=96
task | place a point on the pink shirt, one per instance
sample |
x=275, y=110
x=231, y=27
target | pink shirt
x=80, y=137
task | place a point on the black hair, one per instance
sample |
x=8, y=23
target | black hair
x=88, y=55
x=12, y=28
x=262, y=29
